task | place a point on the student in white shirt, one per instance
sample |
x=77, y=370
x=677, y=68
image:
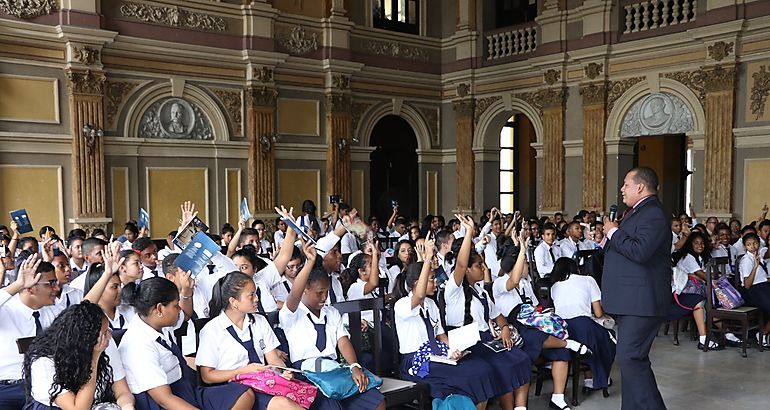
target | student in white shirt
x=69, y=295
x=305, y=315
x=237, y=341
x=77, y=261
x=75, y=364
x=723, y=249
x=280, y=232
x=756, y=280
x=295, y=264
x=227, y=232
x=444, y=240
x=265, y=247
x=547, y=252
x=170, y=248
x=162, y=377
x=492, y=229
x=106, y=287
x=92, y=249
x=405, y=256
x=366, y=271
x=467, y=302
x=574, y=241
x=148, y=253
x=131, y=234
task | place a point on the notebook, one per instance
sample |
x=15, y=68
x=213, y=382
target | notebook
x=21, y=218
x=197, y=254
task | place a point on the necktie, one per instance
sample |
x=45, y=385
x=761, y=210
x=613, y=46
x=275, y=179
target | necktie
x=248, y=345
x=174, y=349
x=764, y=266
x=332, y=296
x=320, y=333
x=211, y=269
x=260, y=308
x=286, y=285
x=550, y=252
x=484, y=302
x=38, y=325
x=68, y=299
x=431, y=333
x=122, y=322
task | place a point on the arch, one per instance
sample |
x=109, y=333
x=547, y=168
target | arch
x=374, y=114
x=641, y=90
x=154, y=92
x=492, y=120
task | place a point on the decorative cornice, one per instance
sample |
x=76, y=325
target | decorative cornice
x=114, y=94
x=231, y=99
x=338, y=103
x=551, y=76
x=720, y=50
x=593, y=70
x=719, y=79
x=759, y=91
x=482, y=104
x=85, y=82
x=25, y=9
x=617, y=88
x=172, y=16
x=594, y=94
x=261, y=97
x=298, y=41
x=263, y=74
x=395, y=49
x=86, y=55
x=694, y=80
x=532, y=99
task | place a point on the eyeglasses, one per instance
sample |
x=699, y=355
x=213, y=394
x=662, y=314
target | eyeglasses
x=51, y=283
x=294, y=268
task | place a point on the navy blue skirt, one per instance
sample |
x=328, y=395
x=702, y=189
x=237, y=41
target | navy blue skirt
x=533, y=344
x=689, y=300
x=206, y=398
x=759, y=296
x=512, y=368
x=471, y=377
x=12, y=396
x=584, y=330
x=36, y=405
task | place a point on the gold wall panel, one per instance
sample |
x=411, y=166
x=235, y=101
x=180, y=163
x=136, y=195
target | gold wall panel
x=295, y=186
x=298, y=117
x=38, y=190
x=167, y=188
x=431, y=183
x=120, y=197
x=29, y=99
x=233, y=188
x=755, y=187
x=357, y=199
x=507, y=85
x=759, y=114
x=30, y=51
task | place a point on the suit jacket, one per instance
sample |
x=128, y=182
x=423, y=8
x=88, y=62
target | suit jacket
x=637, y=264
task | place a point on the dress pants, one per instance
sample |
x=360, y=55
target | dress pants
x=639, y=390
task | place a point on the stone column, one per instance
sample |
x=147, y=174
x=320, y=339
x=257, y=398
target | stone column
x=260, y=132
x=718, y=152
x=464, y=154
x=338, y=106
x=552, y=101
x=594, y=122
x=86, y=93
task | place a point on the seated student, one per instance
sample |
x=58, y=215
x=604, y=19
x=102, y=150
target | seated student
x=266, y=278
x=104, y=287
x=148, y=254
x=405, y=256
x=162, y=379
x=130, y=233
x=75, y=364
x=170, y=247
x=331, y=262
x=723, y=247
x=265, y=247
x=576, y=297
x=419, y=327
x=227, y=232
x=691, y=259
x=547, y=251
x=237, y=341
x=295, y=264
x=467, y=301
x=77, y=262
x=280, y=232
x=756, y=280
x=92, y=249
x=69, y=295
x=365, y=268
x=574, y=241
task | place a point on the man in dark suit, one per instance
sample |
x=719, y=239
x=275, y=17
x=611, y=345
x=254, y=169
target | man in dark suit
x=636, y=284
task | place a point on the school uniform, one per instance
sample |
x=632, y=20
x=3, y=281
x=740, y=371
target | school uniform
x=278, y=238
x=281, y=292
x=471, y=377
x=204, y=282
x=511, y=368
x=569, y=248
x=446, y=266
x=683, y=303
x=348, y=244
x=267, y=281
x=163, y=364
x=69, y=296
x=224, y=346
x=392, y=274
x=311, y=337
x=490, y=256
x=738, y=248
x=674, y=240
x=758, y=294
x=545, y=256
x=78, y=270
x=506, y=300
x=573, y=299
x=356, y=292
x=152, y=273
x=165, y=252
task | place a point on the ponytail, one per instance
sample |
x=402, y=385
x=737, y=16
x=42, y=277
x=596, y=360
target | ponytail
x=144, y=296
x=468, y=293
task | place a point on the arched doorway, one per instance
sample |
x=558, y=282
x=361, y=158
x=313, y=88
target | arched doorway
x=393, y=168
x=518, y=182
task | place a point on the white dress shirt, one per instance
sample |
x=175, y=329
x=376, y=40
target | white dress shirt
x=574, y=296
x=410, y=325
x=543, y=259
x=16, y=322
x=301, y=333
x=455, y=305
x=219, y=350
x=157, y=367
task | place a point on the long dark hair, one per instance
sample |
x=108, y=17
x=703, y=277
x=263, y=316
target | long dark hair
x=687, y=248
x=412, y=255
x=563, y=268
x=228, y=286
x=69, y=342
x=144, y=296
x=309, y=208
x=406, y=280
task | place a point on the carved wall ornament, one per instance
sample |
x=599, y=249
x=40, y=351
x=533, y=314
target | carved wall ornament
x=482, y=104
x=462, y=89
x=593, y=70
x=463, y=108
x=298, y=41
x=263, y=74
x=262, y=97
x=759, y=91
x=341, y=82
x=657, y=114
x=25, y=9
x=617, y=88
x=85, y=82
x=431, y=116
x=594, y=93
x=86, y=55
x=358, y=110
x=231, y=99
x=552, y=97
x=720, y=50
x=694, y=80
x=175, y=118
x=719, y=79
x=115, y=93
x=338, y=103
x=394, y=49
x=552, y=76
x=532, y=99
x=173, y=16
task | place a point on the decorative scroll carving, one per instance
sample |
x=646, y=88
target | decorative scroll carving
x=25, y=9
x=552, y=76
x=262, y=97
x=431, y=116
x=263, y=74
x=482, y=104
x=593, y=70
x=759, y=91
x=531, y=98
x=694, y=80
x=85, y=82
x=341, y=82
x=464, y=108
x=299, y=42
x=114, y=94
x=720, y=50
x=356, y=113
x=175, y=118
x=617, y=88
x=462, y=89
x=173, y=16
x=394, y=49
x=231, y=99
x=595, y=93
x=336, y=102
x=552, y=97
x=86, y=55
x=719, y=79
x=657, y=114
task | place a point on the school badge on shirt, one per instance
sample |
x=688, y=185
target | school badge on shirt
x=262, y=344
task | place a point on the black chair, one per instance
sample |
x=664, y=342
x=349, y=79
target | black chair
x=396, y=392
x=23, y=344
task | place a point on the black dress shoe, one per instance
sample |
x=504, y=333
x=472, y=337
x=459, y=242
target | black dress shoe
x=552, y=405
x=701, y=346
x=732, y=343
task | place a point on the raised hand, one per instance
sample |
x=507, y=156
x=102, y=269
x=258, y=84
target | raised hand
x=284, y=213
x=309, y=250
x=466, y=221
x=185, y=283
x=15, y=229
x=27, y=277
x=188, y=212
x=429, y=248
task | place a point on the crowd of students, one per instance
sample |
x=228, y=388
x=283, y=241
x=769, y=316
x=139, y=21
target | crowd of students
x=105, y=313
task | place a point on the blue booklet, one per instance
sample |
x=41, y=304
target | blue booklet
x=21, y=218
x=245, y=213
x=197, y=254
x=299, y=230
x=185, y=235
x=144, y=219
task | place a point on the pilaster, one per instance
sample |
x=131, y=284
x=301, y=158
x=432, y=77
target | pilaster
x=553, y=100
x=594, y=157
x=260, y=132
x=463, y=110
x=718, y=152
x=338, y=179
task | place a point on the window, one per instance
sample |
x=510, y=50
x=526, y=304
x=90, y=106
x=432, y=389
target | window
x=397, y=15
x=513, y=12
x=507, y=169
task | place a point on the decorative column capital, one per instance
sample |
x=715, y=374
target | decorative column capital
x=594, y=94
x=337, y=103
x=720, y=79
x=464, y=108
x=553, y=98
x=261, y=97
x=85, y=82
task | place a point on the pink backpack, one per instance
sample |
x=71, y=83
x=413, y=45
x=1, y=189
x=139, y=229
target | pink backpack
x=269, y=382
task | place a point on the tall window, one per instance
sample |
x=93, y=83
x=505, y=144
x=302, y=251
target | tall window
x=507, y=171
x=513, y=12
x=397, y=15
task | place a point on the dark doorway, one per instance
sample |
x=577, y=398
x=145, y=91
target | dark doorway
x=393, y=169
x=666, y=154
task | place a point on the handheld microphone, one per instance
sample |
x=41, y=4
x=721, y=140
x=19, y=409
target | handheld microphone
x=613, y=212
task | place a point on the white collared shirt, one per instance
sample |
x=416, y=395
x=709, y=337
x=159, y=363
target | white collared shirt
x=410, y=326
x=690, y=264
x=76, y=270
x=356, y=292
x=455, y=305
x=568, y=247
x=505, y=299
x=219, y=350
x=574, y=296
x=16, y=322
x=165, y=252
x=69, y=296
x=543, y=259
x=747, y=264
x=301, y=333
x=148, y=364
x=269, y=281
x=278, y=238
x=151, y=273
x=283, y=289
x=490, y=256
